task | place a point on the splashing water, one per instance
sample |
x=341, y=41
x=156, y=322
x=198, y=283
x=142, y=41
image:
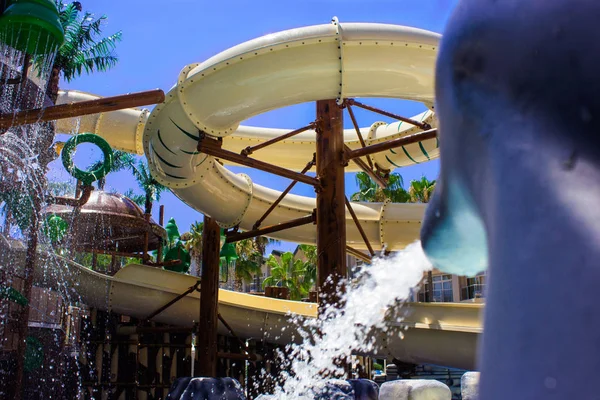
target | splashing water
x=371, y=304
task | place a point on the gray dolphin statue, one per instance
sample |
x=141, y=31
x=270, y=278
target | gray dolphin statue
x=518, y=101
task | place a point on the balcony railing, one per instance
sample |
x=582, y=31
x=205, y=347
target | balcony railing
x=472, y=291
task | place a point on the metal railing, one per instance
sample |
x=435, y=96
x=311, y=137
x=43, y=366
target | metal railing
x=472, y=291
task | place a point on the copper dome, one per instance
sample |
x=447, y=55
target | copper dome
x=109, y=222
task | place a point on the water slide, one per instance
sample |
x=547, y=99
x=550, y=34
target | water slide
x=281, y=69
x=436, y=333
x=277, y=70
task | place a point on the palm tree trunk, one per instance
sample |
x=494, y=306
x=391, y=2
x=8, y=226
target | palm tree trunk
x=53, y=84
x=148, y=205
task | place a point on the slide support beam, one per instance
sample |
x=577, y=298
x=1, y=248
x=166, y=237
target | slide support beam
x=258, y=223
x=391, y=144
x=249, y=150
x=212, y=147
x=331, y=213
x=359, y=227
x=236, y=237
x=78, y=109
x=422, y=125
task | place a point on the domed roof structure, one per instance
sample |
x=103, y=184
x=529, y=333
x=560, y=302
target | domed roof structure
x=109, y=222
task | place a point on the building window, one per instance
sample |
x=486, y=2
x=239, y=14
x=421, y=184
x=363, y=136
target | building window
x=442, y=288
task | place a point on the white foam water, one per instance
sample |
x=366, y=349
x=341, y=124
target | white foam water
x=372, y=302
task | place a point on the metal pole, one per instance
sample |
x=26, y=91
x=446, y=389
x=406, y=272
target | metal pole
x=331, y=215
x=209, y=298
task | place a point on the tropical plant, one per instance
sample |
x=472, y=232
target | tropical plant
x=290, y=273
x=121, y=160
x=310, y=265
x=421, y=190
x=56, y=188
x=151, y=188
x=368, y=190
x=248, y=264
x=84, y=50
x=193, y=241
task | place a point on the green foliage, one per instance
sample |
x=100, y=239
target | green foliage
x=291, y=273
x=370, y=191
x=84, y=49
x=248, y=266
x=421, y=190
x=103, y=261
x=61, y=188
x=19, y=205
x=151, y=188
x=138, y=199
x=12, y=294
x=310, y=265
x=121, y=160
x=377, y=367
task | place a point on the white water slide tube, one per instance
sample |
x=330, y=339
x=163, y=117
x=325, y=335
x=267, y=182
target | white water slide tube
x=290, y=67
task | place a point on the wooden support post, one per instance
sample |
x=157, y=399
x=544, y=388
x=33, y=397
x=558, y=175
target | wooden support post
x=430, y=287
x=209, y=298
x=161, y=222
x=331, y=215
x=23, y=322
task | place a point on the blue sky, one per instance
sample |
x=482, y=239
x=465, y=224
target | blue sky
x=160, y=38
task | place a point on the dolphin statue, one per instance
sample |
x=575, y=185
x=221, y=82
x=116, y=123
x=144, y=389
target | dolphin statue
x=518, y=102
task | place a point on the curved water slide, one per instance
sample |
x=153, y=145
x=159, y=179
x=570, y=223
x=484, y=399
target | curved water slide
x=277, y=70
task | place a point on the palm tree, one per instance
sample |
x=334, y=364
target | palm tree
x=420, y=191
x=248, y=263
x=121, y=161
x=310, y=265
x=370, y=191
x=193, y=242
x=83, y=50
x=289, y=273
x=151, y=188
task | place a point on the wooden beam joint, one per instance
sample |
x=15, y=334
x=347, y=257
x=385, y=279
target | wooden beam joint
x=212, y=147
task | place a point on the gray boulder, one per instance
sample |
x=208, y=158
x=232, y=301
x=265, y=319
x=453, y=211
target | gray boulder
x=469, y=386
x=206, y=389
x=414, y=389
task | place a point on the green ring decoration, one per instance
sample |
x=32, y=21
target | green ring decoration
x=87, y=177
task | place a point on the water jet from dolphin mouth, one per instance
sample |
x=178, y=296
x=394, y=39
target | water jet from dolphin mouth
x=372, y=305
